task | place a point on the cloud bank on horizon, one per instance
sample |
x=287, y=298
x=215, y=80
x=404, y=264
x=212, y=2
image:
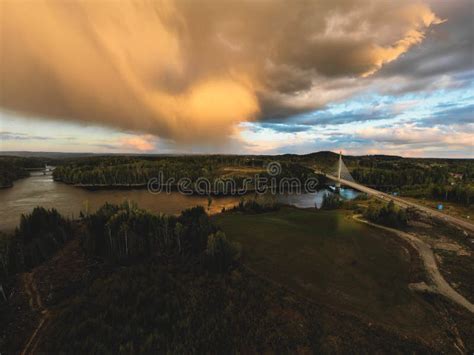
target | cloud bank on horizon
x=191, y=71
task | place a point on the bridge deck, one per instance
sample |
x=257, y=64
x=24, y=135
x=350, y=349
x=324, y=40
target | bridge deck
x=403, y=203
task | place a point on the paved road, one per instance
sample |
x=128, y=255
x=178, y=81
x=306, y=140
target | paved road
x=403, y=203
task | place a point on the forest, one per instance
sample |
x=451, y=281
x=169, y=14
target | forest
x=331, y=202
x=440, y=179
x=119, y=233
x=14, y=168
x=137, y=171
x=125, y=233
x=141, y=283
x=387, y=214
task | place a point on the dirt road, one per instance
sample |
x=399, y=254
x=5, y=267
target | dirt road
x=36, y=306
x=437, y=282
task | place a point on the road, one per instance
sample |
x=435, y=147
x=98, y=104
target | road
x=403, y=203
x=36, y=306
x=437, y=282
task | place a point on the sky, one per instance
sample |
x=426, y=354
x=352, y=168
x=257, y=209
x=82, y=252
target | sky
x=238, y=77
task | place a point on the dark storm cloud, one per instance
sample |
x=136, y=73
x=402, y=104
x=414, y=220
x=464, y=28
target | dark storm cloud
x=448, y=49
x=192, y=70
x=284, y=127
x=324, y=118
x=457, y=115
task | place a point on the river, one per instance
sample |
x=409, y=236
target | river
x=41, y=190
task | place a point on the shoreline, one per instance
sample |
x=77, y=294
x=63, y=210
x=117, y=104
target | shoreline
x=172, y=188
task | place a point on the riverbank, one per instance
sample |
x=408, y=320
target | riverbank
x=187, y=189
x=12, y=183
x=94, y=187
x=41, y=190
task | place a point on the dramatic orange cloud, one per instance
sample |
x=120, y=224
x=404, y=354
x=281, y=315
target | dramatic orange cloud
x=192, y=70
x=141, y=143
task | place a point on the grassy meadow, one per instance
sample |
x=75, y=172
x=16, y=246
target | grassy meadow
x=329, y=257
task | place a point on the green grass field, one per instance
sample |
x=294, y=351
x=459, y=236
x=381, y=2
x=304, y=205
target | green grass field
x=329, y=257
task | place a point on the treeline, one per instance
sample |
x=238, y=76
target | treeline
x=116, y=232
x=14, y=168
x=132, y=171
x=449, y=180
x=125, y=233
x=387, y=214
x=395, y=175
x=38, y=237
x=331, y=201
x=119, y=233
x=253, y=206
x=454, y=193
x=446, y=167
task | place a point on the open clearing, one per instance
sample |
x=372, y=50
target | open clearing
x=329, y=257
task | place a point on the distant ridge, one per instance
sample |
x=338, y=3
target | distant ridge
x=322, y=155
x=55, y=155
x=63, y=155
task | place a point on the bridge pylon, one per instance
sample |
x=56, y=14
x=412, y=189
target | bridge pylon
x=339, y=173
x=339, y=168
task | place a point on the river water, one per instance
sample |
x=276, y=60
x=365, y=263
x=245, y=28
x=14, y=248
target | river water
x=41, y=190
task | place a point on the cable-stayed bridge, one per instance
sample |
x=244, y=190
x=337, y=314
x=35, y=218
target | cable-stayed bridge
x=341, y=176
x=341, y=172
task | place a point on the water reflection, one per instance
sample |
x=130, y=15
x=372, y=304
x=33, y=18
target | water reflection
x=41, y=190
